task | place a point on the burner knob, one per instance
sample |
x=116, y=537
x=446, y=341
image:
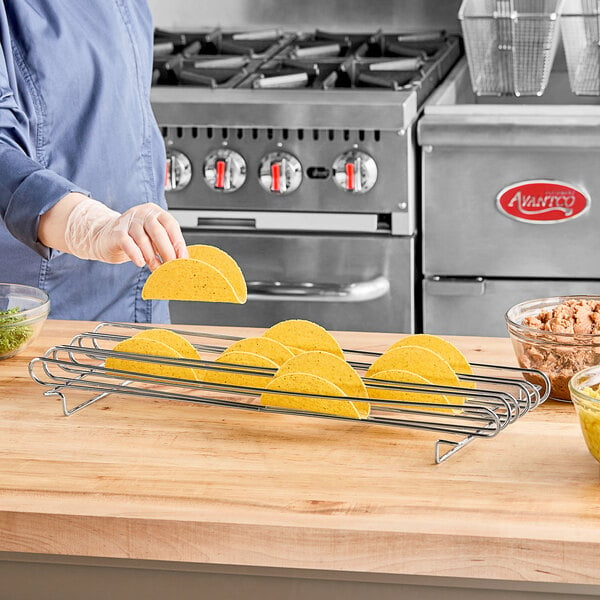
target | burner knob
x=280, y=173
x=355, y=172
x=178, y=172
x=224, y=170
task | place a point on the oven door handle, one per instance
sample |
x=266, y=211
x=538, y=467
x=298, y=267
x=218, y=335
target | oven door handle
x=361, y=291
x=455, y=286
x=270, y=220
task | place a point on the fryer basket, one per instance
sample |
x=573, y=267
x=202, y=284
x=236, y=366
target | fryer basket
x=580, y=28
x=510, y=44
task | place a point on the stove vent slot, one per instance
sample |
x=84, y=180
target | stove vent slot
x=225, y=133
x=348, y=135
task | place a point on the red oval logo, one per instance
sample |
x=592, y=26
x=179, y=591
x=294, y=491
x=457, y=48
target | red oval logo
x=542, y=201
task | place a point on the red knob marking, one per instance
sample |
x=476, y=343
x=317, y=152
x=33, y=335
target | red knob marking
x=276, y=177
x=220, y=181
x=167, y=173
x=350, y=172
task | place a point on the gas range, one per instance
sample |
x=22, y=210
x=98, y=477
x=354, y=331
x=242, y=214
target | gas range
x=318, y=60
x=304, y=122
x=297, y=154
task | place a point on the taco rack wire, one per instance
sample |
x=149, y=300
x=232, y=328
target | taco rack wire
x=501, y=394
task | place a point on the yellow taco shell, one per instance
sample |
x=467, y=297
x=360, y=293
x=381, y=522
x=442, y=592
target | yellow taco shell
x=401, y=376
x=305, y=383
x=424, y=362
x=238, y=375
x=443, y=347
x=272, y=349
x=149, y=347
x=170, y=338
x=189, y=279
x=304, y=335
x=333, y=369
x=225, y=264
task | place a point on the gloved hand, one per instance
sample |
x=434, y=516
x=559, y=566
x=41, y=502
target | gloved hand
x=94, y=231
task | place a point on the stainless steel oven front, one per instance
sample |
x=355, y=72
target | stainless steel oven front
x=510, y=186
x=343, y=259
x=343, y=281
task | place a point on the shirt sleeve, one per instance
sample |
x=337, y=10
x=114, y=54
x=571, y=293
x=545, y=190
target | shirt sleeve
x=27, y=188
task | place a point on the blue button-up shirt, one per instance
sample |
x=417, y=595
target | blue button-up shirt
x=75, y=115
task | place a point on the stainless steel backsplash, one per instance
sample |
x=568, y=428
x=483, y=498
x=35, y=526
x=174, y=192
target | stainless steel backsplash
x=332, y=15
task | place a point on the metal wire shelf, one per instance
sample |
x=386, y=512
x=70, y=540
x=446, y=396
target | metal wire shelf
x=501, y=396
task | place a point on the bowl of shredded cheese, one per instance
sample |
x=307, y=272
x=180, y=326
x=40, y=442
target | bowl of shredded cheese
x=585, y=394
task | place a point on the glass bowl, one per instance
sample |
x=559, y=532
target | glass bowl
x=584, y=388
x=558, y=354
x=23, y=310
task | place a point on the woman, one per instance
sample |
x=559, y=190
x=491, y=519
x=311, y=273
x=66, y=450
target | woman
x=81, y=158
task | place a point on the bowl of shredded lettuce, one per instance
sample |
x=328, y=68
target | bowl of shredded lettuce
x=23, y=310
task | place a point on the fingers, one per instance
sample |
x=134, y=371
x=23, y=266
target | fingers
x=139, y=237
x=154, y=232
x=175, y=236
x=132, y=251
x=154, y=226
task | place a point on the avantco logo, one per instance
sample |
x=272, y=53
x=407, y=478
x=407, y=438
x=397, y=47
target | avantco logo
x=542, y=201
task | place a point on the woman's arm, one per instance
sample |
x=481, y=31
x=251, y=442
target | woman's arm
x=46, y=211
x=90, y=230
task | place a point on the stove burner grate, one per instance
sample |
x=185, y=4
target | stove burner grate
x=319, y=60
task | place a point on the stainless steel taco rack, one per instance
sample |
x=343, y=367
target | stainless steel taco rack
x=501, y=395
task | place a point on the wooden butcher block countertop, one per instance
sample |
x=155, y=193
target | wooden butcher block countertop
x=137, y=478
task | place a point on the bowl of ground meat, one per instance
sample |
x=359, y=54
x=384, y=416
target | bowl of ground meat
x=559, y=336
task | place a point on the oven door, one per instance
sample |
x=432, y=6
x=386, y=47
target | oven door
x=342, y=281
x=477, y=305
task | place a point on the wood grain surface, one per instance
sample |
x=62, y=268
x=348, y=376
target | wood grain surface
x=151, y=479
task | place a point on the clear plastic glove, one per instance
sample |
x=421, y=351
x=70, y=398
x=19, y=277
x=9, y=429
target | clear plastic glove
x=144, y=234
